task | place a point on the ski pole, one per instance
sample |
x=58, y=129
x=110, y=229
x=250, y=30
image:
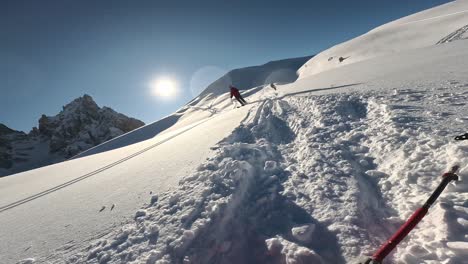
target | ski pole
x=415, y=218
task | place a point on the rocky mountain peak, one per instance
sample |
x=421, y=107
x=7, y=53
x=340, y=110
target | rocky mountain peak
x=83, y=103
x=80, y=125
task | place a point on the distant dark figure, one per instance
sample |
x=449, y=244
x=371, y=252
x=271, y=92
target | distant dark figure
x=462, y=137
x=273, y=86
x=237, y=95
x=331, y=58
x=341, y=59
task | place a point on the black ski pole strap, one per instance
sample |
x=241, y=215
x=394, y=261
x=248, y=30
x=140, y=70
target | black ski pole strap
x=447, y=178
x=462, y=137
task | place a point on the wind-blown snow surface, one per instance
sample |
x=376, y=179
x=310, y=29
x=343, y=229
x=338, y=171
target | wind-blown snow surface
x=322, y=170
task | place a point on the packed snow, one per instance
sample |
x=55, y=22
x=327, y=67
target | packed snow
x=322, y=170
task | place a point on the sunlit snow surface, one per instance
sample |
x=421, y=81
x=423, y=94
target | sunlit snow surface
x=319, y=171
x=441, y=24
x=349, y=167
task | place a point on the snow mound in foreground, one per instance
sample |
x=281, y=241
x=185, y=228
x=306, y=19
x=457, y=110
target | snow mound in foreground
x=224, y=212
x=434, y=26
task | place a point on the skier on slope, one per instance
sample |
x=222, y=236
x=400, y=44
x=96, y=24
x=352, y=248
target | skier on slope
x=273, y=86
x=237, y=95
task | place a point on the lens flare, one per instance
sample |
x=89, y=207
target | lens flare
x=205, y=76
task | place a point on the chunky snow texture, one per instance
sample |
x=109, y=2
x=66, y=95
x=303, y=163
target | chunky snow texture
x=224, y=212
x=369, y=164
x=315, y=179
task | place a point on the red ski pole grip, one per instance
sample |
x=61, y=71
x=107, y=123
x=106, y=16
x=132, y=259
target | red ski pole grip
x=400, y=234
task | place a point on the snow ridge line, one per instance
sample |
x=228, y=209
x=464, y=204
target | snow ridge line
x=436, y=17
x=90, y=174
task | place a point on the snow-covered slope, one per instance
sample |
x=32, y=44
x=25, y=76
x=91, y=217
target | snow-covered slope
x=437, y=25
x=58, y=207
x=321, y=170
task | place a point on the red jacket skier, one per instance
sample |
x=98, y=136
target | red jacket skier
x=237, y=95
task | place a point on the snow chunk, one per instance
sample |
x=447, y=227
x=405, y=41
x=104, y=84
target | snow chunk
x=140, y=213
x=303, y=233
x=27, y=261
x=270, y=165
x=174, y=199
x=460, y=247
x=280, y=248
x=154, y=199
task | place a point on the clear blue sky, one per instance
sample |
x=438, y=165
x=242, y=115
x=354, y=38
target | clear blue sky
x=54, y=51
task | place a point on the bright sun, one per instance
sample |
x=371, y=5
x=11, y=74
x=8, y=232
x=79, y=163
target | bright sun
x=164, y=88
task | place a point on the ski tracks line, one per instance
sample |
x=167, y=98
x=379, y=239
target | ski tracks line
x=92, y=173
x=435, y=17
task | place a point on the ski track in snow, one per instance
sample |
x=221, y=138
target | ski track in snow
x=313, y=179
x=97, y=171
x=432, y=18
x=461, y=33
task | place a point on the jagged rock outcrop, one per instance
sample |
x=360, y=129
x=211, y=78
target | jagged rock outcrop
x=8, y=135
x=80, y=125
x=83, y=124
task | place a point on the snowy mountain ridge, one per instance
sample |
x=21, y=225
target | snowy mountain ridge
x=80, y=125
x=281, y=71
x=419, y=30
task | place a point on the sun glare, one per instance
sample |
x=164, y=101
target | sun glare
x=164, y=88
